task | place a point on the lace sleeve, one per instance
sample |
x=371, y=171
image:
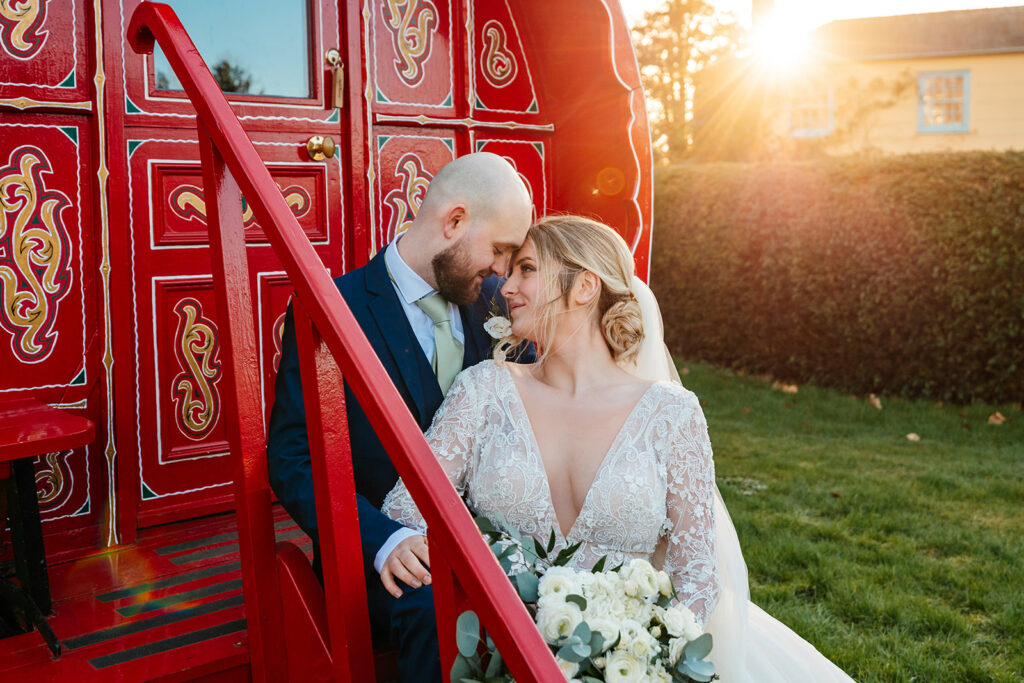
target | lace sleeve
x=453, y=438
x=690, y=553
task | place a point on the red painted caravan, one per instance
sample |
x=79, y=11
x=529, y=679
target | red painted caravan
x=117, y=158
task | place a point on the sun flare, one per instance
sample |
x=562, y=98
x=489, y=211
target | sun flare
x=781, y=42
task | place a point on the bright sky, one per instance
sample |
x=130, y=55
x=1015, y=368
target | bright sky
x=806, y=14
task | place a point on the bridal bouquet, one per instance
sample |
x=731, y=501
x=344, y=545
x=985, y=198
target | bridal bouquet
x=614, y=625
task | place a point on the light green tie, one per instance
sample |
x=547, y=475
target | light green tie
x=447, y=360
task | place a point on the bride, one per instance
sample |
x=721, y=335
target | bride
x=599, y=441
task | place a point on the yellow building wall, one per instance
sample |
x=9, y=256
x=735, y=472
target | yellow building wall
x=995, y=105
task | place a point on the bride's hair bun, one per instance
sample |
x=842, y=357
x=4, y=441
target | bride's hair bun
x=622, y=326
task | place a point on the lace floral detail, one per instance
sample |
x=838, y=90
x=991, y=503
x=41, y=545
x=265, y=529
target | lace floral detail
x=652, y=495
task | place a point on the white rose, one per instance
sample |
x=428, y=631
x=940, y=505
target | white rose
x=569, y=669
x=559, y=580
x=498, y=327
x=657, y=674
x=693, y=631
x=643, y=647
x=675, y=649
x=622, y=667
x=645, y=576
x=558, y=621
x=664, y=584
x=630, y=630
x=677, y=619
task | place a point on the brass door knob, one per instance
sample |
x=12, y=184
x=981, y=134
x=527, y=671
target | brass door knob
x=320, y=147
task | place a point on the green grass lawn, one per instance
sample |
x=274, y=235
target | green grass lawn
x=899, y=560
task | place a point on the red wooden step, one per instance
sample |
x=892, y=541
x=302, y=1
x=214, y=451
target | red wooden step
x=167, y=608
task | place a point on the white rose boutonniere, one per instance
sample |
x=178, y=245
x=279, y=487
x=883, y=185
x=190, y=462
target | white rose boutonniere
x=498, y=327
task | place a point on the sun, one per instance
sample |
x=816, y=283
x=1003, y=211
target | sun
x=781, y=42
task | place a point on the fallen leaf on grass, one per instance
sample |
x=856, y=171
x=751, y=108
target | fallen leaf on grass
x=684, y=371
x=785, y=388
x=913, y=437
x=835, y=494
x=875, y=402
x=996, y=418
x=746, y=411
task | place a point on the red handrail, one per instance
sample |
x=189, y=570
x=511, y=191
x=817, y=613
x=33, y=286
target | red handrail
x=231, y=167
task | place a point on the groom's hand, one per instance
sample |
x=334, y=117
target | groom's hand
x=409, y=562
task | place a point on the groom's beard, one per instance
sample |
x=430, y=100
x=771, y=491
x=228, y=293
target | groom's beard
x=454, y=282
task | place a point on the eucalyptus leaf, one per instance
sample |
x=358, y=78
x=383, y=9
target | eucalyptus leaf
x=579, y=601
x=591, y=679
x=526, y=584
x=700, y=667
x=461, y=668
x=467, y=633
x=699, y=647
x=496, y=666
x=483, y=524
x=570, y=654
x=596, y=642
x=582, y=631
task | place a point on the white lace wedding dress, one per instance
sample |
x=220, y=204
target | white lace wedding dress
x=653, y=497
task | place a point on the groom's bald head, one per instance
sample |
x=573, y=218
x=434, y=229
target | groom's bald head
x=474, y=215
x=486, y=183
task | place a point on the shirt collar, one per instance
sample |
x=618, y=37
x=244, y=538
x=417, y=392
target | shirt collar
x=411, y=287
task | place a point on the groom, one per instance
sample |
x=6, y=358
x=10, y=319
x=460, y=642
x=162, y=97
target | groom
x=422, y=303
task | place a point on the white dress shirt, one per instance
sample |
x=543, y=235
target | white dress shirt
x=410, y=288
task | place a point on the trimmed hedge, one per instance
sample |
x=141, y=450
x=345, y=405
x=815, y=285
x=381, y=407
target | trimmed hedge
x=899, y=275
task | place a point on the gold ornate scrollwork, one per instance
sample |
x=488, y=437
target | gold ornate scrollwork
x=21, y=27
x=496, y=60
x=412, y=24
x=53, y=480
x=35, y=252
x=405, y=200
x=195, y=388
x=187, y=202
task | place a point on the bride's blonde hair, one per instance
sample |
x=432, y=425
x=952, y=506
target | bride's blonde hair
x=568, y=245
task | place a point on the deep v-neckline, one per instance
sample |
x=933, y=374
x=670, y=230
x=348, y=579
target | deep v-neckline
x=540, y=458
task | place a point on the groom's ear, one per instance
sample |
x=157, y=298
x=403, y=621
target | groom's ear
x=454, y=222
x=586, y=287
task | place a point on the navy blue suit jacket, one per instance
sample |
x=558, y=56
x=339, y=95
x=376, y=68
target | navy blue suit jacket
x=371, y=296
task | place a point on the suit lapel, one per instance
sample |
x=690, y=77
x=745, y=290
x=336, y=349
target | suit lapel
x=387, y=312
x=478, y=342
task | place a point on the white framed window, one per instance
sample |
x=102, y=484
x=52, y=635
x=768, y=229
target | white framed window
x=811, y=115
x=943, y=99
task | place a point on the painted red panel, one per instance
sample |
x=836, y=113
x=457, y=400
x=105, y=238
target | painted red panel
x=43, y=51
x=63, y=487
x=43, y=168
x=406, y=161
x=502, y=81
x=181, y=219
x=527, y=156
x=178, y=436
x=412, y=55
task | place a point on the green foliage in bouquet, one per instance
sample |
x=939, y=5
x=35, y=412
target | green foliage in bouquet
x=663, y=643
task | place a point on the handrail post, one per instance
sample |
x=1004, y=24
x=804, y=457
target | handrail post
x=335, y=495
x=256, y=544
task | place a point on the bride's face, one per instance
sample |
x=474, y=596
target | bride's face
x=521, y=291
